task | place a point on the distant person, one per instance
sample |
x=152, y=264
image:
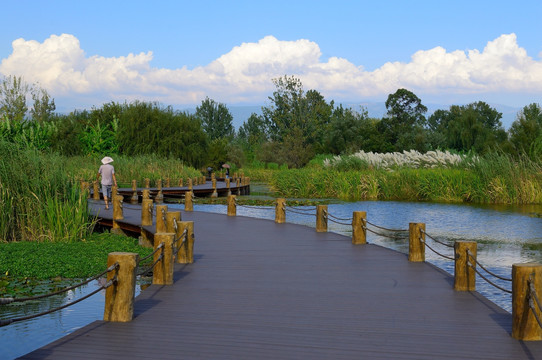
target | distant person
x=209, y=171
x=227, y=173
x=107, y=172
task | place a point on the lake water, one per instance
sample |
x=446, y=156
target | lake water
x=505, y=235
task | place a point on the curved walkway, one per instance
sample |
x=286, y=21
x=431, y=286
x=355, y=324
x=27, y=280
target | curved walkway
x=260, y=290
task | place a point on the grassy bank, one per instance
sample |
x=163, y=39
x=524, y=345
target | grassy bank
x=490, y=179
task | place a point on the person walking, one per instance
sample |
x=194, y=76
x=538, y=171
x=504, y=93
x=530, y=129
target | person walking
x=107, y=173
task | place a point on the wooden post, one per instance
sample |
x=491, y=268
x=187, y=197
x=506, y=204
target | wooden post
x=232, y=208
x=146, y=194
x=163, y=271
x=321, y=218
x=359, y=227
x=190, y=186
x=238, y=184
x=159, y=197
x=119, y=298
x=526, y=285
x=228, y=186
x=96, y=190
x=117, y=214
x=146, y=220
x=161, y=213
x=135, y=198
x=416, y=243
x=464, y=273
x=188, y=205
x=181, y=182
x=147, y=183
x=280, y=211
x=167, y=183
x=214, y=194
x=186, y=253
x=171, y=218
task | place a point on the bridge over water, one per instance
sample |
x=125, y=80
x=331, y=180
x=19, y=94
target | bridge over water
x=262, y=290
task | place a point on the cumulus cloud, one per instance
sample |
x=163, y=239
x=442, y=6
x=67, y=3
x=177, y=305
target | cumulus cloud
x=244, y=74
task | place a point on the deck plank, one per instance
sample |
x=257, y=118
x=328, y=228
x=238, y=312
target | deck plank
x=260, y=290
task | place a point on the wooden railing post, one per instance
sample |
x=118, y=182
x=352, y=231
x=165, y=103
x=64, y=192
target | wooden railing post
x=147, y=208
x=168, y=183
x=464, y=270
x=188, y=204
x=181, y=182
x=238, y=184
x=526, y=288
x=161, y=213
x=159, y=196
x=146, y=194
x=135, y=198
x=171, y=218
x=280, y=211
x=190, y=186
x=147, y=183
x=96, y=190
x=416, y=243
x=321, y=218
x=117, y=214
x=163, y=271
x=186, y=253
x=359, y=227
x=215, y=193
x=232, y=207
x=119, y=298
x=228, y=186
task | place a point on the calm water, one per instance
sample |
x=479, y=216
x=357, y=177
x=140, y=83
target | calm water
x=505, y=235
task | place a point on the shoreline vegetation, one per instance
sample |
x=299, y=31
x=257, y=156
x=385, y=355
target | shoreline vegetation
x=489, y=179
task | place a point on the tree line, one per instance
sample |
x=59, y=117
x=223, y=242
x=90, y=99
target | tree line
x=296, y=126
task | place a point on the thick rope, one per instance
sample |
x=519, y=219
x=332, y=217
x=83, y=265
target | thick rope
x=435, y=240
x=10, y=321
x=486, y=270
x=151, y=254
x=298, y=212
x=340, y=219
x=436, y=252
x=384, y=235
x=4, y=301
x=489, y=281
x=143, y=273
x=383, y=228
x=339, y=222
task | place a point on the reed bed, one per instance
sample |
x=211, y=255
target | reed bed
x=494, y=178
x=39, y=202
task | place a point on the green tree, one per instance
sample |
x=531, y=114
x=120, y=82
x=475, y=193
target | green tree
x=475, y=127
x=297, y=116
x=44, y=106
x=526, y=129
x=216, y=119
x=402, y=128
x=13, y=92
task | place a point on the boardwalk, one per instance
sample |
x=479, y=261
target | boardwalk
x=260, y=290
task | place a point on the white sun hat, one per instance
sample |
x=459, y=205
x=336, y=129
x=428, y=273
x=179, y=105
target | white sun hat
x=107, y=160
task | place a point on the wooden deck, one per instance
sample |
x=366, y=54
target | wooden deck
x=260, y=290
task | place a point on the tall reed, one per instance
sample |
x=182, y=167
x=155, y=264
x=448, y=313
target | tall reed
x=39, y=201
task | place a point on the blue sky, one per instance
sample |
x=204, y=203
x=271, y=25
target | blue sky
x=86, y=53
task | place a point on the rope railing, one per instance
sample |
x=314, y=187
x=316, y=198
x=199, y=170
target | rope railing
x=435, y=240
x=386, y=229
x=384, y=235
x=148, y=270
x=105, y=286
x=435, y=251
x=485, y=269
x=298, y=211
x=158, y=248
x=252, y=206
x=184, y=236
x=4, y=301
x=487, y=280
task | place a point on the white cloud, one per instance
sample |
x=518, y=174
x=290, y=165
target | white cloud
x=244, y=74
